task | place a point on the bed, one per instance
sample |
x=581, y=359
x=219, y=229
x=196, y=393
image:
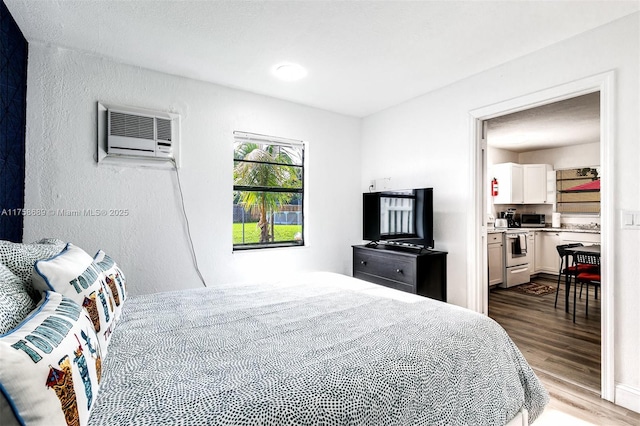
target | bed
x=314, y=348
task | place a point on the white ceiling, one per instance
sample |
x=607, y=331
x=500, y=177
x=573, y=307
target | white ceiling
x=570, y=122
x=362, y=56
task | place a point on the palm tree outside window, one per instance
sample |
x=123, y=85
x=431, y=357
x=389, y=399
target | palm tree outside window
x=268, y=192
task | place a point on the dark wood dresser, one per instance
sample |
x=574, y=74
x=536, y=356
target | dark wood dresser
x=423, y=273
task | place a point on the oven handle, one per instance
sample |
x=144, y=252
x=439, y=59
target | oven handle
x=515, y=271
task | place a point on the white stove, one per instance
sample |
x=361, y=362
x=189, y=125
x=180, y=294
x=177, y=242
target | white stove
x=516, y=258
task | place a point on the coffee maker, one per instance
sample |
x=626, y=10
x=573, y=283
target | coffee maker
x=512, y=220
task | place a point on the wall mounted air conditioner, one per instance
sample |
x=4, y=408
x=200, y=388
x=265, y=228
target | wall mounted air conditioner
x=137, y=136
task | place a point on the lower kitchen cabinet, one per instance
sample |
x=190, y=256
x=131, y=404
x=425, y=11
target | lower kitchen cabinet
x=495, y=256
x=547, y=259
x=531, y=252
x=579, y=237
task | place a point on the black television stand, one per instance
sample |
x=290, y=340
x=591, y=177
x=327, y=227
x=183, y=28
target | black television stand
x=422, y=271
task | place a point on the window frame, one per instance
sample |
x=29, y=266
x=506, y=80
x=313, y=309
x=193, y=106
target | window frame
x=245, y=137
x=560, y=203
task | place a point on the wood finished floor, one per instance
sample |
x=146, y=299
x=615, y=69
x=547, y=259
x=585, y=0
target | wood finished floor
x=572, y=405
x=564, y=355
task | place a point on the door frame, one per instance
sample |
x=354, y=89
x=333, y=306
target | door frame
x=477, y=237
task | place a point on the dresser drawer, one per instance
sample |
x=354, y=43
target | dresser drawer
x=422, y=272
x=395, y=268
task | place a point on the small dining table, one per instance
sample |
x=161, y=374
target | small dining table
x=570, y=251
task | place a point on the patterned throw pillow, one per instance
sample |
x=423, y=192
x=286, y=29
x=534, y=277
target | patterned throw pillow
x=74, y=274
x=15, y=302
x=113, y=277
x=51, y=365
x=20, y=258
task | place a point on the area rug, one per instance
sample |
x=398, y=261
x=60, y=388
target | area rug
x=534, y=288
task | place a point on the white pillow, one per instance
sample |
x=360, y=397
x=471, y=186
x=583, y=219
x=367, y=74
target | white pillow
x=113, y=277
x=73, y=274
x=51, y=365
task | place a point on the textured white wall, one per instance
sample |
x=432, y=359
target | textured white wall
x=150, y=244
x=426, y=142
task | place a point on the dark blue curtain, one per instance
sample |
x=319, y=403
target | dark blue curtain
x=13, y=91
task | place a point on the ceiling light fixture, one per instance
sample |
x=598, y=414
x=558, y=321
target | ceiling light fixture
x=289, y=71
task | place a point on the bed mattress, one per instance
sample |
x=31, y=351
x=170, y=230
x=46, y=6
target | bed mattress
x=317, y=348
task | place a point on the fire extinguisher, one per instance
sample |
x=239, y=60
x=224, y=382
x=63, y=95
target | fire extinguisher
x=494, y=187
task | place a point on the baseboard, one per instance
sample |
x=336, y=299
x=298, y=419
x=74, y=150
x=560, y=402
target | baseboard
x=628, y=397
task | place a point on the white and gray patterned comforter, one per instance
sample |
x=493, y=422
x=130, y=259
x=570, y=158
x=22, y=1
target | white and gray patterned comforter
x=318, y=349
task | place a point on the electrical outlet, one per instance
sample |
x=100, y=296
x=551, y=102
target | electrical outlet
x=382, y=184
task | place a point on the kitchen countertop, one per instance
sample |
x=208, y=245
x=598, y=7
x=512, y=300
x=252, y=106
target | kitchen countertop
x=583, y=230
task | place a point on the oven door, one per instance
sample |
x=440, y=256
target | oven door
x=516, y=250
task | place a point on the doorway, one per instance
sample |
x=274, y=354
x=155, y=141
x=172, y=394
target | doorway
x=552, y=145
x=478, y=277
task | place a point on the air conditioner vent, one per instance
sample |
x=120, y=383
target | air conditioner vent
x=140, y=134
x=132, y=126
x=163, y=129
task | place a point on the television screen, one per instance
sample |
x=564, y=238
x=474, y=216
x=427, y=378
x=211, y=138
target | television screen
x=399, y=216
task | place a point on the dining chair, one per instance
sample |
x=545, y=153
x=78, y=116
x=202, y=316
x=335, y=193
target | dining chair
x=569, y=270
x=590, y=275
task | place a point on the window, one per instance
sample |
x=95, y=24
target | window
x=578, y=190
x=268, y=192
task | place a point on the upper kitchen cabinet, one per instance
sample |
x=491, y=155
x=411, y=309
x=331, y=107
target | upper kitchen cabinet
x=535, y=182
x=522, y=183
x=510, y=180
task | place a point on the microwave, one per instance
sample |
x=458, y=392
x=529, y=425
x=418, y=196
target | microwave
x=532, y=220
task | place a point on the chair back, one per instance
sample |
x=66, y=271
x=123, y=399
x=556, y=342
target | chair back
x=588, y=258
x=562, y=248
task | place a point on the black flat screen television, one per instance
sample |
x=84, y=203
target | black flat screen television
x=399, y=216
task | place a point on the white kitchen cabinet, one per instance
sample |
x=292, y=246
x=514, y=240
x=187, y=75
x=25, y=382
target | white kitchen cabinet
x=522, y=183
x=537, y=264
x=535, y=183
x=551, y=187
x=495, y=255
x=531, y=252
x=588, y=239
x=510, y=179
x=547, y=259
